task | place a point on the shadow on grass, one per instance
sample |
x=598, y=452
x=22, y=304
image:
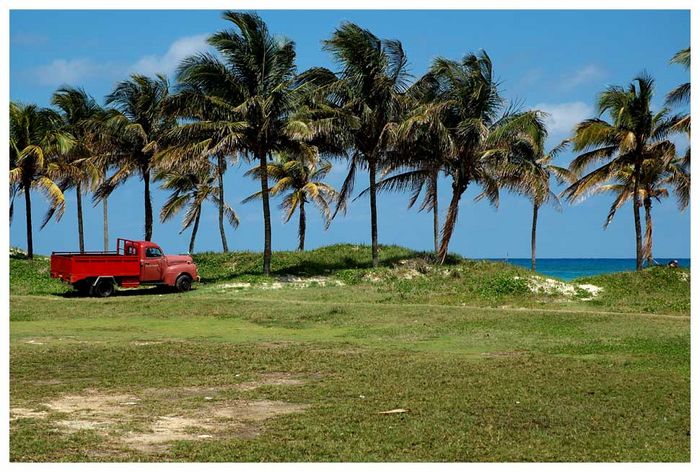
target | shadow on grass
x=308, y=267
x=131, y=292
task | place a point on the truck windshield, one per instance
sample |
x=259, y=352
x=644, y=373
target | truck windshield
x=153, y=252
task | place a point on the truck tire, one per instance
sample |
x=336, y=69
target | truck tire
x=183, y=283
x=83, y=287
x=103, y=288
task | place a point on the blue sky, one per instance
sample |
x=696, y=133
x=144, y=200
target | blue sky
x=556, y=61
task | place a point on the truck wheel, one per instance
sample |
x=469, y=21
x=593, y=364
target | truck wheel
x=104, y=288
x=183, y=283
x=83, y=287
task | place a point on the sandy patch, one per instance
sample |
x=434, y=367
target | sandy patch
x=371, y=277
x=285, y=281
x=92, y=403
x=238, y=418
x=409, y=274
x=547, y=286
x=17, y=413
x=122, y=421
x=235, y=285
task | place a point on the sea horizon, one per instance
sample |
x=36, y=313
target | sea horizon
x=569, y=268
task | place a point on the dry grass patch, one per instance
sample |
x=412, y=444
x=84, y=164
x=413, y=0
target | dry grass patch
x=271, y=378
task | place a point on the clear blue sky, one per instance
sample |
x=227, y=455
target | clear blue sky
x=554, y=60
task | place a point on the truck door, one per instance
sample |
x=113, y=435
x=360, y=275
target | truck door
x=152, y=265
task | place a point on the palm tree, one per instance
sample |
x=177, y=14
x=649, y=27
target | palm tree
x=529, y=171
x=368, y=89
x=473, y=134
x=681, y=95
x=633, y=135
x=255, y=81
x=417, y=170
x=77, y=168
x=191, y=186
x=137, y=127
x=209, y=128
x=299, y=179
x=659, y=177
x=36, y=138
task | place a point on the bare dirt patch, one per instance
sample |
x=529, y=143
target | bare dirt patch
x=17, y=413
x=122, y=420
x=92, y=403
x=284, y=281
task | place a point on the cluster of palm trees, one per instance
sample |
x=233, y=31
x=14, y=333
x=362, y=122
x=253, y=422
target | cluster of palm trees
x=247, y=102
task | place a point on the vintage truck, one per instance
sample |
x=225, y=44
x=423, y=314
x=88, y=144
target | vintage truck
x=134, y=263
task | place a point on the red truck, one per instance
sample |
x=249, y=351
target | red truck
x=134, y=263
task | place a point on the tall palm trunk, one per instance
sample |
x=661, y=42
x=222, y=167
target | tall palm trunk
x=148, y=209
x=194, y=229
x=28, y=209
x=436, y=216
x=637, y=220
x=533, y=240
x=373, y=210
x=267, y=252
x=79, y=208
x=220, y=177
x=105, y=219
x=450, y=220
x=302, y=224
x=648, y=244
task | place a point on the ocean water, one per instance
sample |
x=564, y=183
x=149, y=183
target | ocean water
x=568, y=269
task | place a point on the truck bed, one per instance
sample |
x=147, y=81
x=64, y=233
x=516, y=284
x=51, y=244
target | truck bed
x=72, y=267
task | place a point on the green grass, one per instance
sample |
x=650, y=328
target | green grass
x=487, y=370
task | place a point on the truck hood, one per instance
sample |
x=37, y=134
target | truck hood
x=175, y=260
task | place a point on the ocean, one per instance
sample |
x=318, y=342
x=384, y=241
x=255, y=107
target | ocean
x=568, y=269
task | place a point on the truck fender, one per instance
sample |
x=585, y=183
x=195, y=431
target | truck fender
x=97, y=279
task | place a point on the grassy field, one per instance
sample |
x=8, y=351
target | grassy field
x=304, y=365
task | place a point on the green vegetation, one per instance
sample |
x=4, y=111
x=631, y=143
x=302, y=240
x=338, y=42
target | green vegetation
x=487, y=370
x=654, y=290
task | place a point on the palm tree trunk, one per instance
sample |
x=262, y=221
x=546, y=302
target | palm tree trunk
x=194, y=229
x=637, y=220
x=105, y=224
x=79, y=207
x=302, y=224
x=373, y=210
x=533, y=240
x=148, y=209
x=28, y=209
x=267, y=252
x=220, y=177
x=648, y=234
x=450, y=220
x=436, y=216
